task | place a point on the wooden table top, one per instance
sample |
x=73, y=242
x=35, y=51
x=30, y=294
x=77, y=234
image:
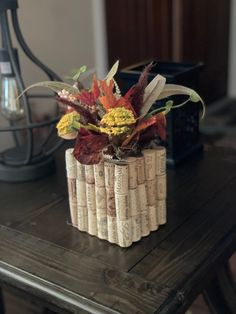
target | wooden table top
x=40, y=253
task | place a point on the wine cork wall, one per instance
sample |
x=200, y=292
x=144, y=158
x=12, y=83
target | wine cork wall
x=118, y=202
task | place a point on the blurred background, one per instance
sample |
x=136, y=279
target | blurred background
x=68, y=34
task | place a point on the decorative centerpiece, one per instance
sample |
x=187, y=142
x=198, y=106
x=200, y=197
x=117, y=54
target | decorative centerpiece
x=117, y=169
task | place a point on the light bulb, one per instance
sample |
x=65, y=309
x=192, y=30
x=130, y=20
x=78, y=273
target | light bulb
x=10, y=106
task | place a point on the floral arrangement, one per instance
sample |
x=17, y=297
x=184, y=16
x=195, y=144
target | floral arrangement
x=106, y=124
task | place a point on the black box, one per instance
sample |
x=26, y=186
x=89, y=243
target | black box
x=183, y=136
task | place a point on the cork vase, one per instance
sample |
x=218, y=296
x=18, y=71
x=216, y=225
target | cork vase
x=118, y=202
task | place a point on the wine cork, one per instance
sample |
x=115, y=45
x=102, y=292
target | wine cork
x=99, y=176
x=81, y=193
x=111, y=206
x=140, y=170
x=150, y=163
x=142, y=197
x=112, y=229
x=135, y=214
x=109, y=169
x=111, y=221
x=144, y=214
x=161, y=187
x=160, y=160
x=102, y=226
x=122, y=206
x=151, y=192
x=153, y=221
x=134, y=202
x=136, y=228
x=161, y=212
x=89, y=174
x=92, y=222
x=145, y=228
x=70, y=164
x=91, y=198
x=73, y=214
x=124, y=233
x=71, y=183
x=121, y=179
x=101, y=212
x=101, y=197
x=132, y=177
x=80, y=171
x=82, y=218
x=91, y=206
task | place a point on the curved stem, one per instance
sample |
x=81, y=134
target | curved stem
x=156, y=111
x=182, y=104
x=163, y=108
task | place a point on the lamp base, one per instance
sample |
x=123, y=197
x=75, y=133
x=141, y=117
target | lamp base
x=26, y=173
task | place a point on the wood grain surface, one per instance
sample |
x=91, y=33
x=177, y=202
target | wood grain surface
x=41, y=254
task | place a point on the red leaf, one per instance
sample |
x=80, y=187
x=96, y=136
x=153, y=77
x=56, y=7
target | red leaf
x=106, y=88
x=88, y=148
x=122, y=102
x=155, y=130
x=142, y=125
x=90, y=97
x=129, y=94
x=86, y=98
x=95, y=88
x=108, y=100
x=156, y=124
x=161, y=126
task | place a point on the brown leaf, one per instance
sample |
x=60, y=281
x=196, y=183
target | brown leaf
x=136, y=93
x=87, y=117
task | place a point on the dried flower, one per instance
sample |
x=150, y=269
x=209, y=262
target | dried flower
x=69, y=125
x=66, y=95
x=103, y=118
x=117, y=121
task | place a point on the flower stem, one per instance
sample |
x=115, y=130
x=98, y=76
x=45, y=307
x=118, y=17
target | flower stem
x=182, y=104
x=163, y=108
x=76, y=125
x=156, y=111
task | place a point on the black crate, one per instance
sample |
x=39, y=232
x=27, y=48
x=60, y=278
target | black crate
x=183, y=136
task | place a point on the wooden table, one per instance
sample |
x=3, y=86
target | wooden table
x=41, y=254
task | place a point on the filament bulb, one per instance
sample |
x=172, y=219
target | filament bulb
x=11, y=107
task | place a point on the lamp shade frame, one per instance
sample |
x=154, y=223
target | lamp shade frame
x=43, y=153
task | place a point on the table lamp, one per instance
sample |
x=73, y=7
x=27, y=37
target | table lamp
x=29, y=159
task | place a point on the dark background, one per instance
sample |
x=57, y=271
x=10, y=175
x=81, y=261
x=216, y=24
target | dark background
x=177, y=30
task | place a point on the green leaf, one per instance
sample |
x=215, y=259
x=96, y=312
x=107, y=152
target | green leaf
x=172, y=89
x=194, y=97
x=76, y=73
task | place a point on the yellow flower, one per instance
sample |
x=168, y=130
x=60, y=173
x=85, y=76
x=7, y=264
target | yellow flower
x=69, y=125
x=113, y=131
x=117, y=121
